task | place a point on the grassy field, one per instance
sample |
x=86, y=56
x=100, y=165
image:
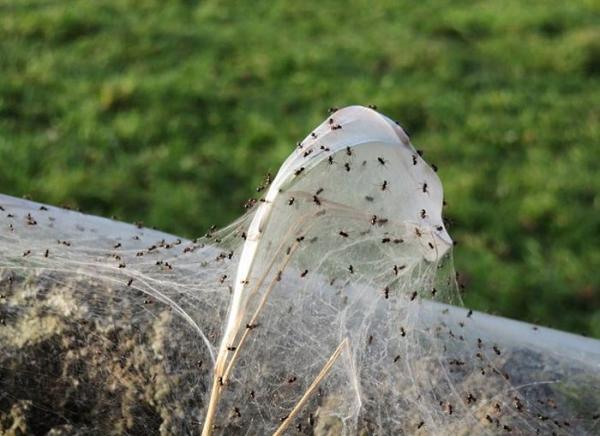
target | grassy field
x=170, y=113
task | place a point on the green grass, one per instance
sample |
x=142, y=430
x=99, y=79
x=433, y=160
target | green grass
x=171, y=113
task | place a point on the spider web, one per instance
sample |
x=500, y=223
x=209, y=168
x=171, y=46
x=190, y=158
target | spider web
x=331, y=307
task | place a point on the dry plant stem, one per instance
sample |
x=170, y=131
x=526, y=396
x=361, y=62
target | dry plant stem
x=324, y=371
x=254, y=317
x=225, y=375
x=219, y=380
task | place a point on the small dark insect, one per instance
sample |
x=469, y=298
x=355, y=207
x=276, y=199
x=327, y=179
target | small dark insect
x=423, y=213
x=300, y=239
x=518, y=404
x=316, y=200
x=129, y=282
x=231, y=348
x=433, y=292
x=244, y=235
x=299, y=144
x=319, y=191
x=2, y=209
x=330, y=160
x=489, y=418
x=251, y=326
x=306, y=154
x=347, y=166
x=421, y=424
x=30, y=220
x=384, y=185
x=330, y=121
x=373, y=106
x=122, y=265
x=313, y=135
x=385, y=240
x=507, y=428
x=431, y=245
x=435, y=168
x=381, y=161
x=402, y=332
x=469, y=313
x=418, y=233
x=304, y=273
x=348, y=151
x=479, y=343
x=237, y=413
x=292, y=379
x=398, y=268
x=386, y=292
x=414, y=159
x=278, y=278
x=27, y=253
x=374, y=220
x=420, y=153
x=223, y=278
x=351, y=269
x=496, y=350
x=370, y=341
x=470, y=398
x=336, y=127
x=413, y=296
x=46, y=253
x=332, y=110
x=397, y=358
x=343, y=234
x=298, y=171
x=439, y=228
x=117, y=245
x=369, y=198
x=424, y=187
x=283, y=418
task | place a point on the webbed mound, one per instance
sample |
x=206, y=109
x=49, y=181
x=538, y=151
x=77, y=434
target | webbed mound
x=329, y=308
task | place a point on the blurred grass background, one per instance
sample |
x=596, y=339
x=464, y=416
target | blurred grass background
x=170, y=113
